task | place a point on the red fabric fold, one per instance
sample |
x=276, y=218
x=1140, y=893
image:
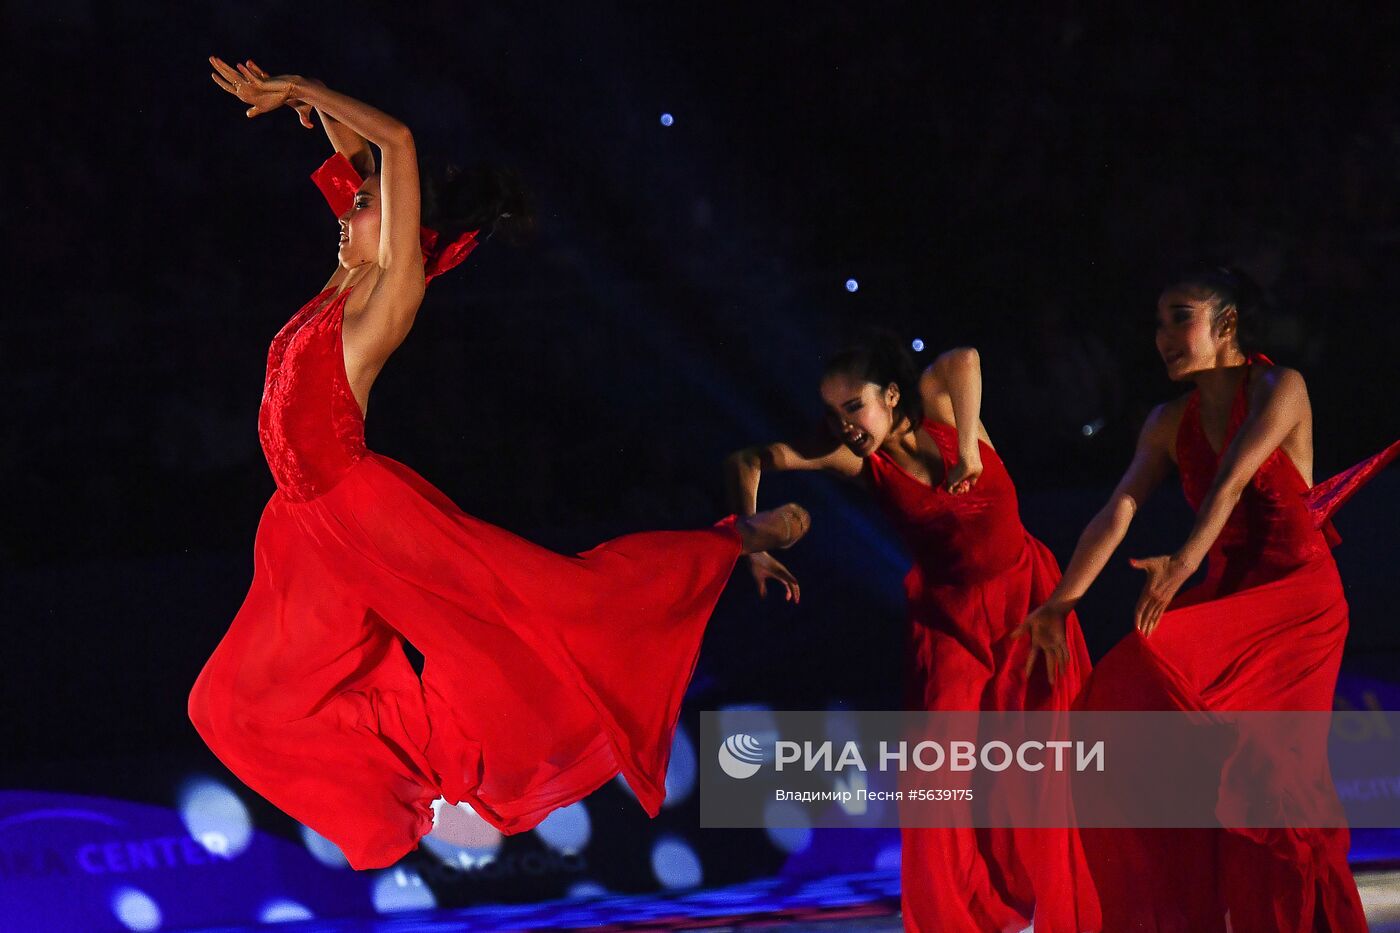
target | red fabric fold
x=1264, y=631
x=544, y=675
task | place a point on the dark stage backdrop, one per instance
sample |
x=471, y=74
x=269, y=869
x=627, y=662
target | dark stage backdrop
x=725, y=195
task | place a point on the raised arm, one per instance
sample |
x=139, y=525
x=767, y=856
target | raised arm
x=344, y=140
x=1150, y=465
x=743, y=469
x=1278, y=403
x=952, y=387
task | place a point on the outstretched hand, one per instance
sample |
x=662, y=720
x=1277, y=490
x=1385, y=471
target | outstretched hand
x=1046, y=626
x=765, y=567
x=1165, y=576
x=256, y=88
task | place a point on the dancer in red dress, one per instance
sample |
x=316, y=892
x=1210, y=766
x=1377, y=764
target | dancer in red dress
x=1263, y=631
x=918, y=443
x=544, y=676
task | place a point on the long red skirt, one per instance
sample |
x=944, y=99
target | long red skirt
x=544, y=675
x=1276, y=646
x=963, y=658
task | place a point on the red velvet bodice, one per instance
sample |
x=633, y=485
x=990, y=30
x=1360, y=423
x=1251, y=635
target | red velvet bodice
x=1272, y=530
x=954, y=539
x=310, y=425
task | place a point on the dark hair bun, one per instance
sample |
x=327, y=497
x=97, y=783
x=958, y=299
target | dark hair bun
x=1229, y=285
x=881, y=359
x=481, y=197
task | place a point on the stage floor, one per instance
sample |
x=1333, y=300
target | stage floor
x=865, y=903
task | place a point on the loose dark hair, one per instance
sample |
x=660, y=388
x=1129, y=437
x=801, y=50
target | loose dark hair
x=1229, y=287
x=882, y=359
x=481, y=197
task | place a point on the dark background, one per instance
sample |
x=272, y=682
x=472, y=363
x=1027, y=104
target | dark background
x=1022, y=179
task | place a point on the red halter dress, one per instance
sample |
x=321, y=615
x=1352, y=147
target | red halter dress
x=977, y=574
x=1264, y=631
x=544, y=675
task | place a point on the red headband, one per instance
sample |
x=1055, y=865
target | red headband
x=339, y=181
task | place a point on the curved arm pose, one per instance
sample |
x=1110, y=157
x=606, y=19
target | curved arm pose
x=544, y=675
x=918, y=443
x=380, y=254
x=1264, y=631
x=862, y=417
x=1198, y=339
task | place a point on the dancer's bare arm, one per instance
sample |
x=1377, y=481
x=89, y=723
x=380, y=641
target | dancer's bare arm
x=344, y=140
x=1150, y=465
x=951, y=388
x=744, y=468
x=376, y=328
x=1278, y=403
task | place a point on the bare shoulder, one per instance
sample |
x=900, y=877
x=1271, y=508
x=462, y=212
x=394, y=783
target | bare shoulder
x=1279, y=382
x=1160, y=428
x=1165, y=419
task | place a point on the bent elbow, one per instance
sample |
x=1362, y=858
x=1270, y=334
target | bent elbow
x=399, y=136
x=742, y=460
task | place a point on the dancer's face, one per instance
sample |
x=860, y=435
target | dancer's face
x=359, y=226
x=861, y=414
x=1192, y=335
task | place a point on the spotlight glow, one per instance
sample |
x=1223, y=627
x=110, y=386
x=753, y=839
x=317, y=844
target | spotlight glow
x=852, y=285
x=918, y=345
x=215, y=817
x=787, y=825
x=586, y=889
x=460, y=836
x=135, y=909
x=680, y=774
x=566, y=830
x=323, y=850
x=398, y=889
x=284, y=911
x=675, y=864
x=667, y=119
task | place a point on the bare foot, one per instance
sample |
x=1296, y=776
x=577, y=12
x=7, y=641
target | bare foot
x=774, y=529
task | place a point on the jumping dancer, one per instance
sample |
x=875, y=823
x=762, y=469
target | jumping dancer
x=1263, y=632
x=918, y=443
x=543, y=676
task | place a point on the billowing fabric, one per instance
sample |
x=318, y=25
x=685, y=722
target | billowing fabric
x=544, y=675
x=1263, y=632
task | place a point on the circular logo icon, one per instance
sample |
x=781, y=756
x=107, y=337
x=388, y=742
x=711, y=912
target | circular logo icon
x=741, y=755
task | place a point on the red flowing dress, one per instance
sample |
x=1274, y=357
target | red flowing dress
x=544, y=675
x=1263, y=632
x=977, y=574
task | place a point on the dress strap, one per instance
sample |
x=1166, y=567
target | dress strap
x=940, y=433
x=1239, y=410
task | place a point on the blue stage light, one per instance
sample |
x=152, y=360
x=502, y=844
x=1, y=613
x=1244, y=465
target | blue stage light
x=918, y=345
x=323, y=850
x=283, y=911
x=852, y=285
x=675, y=864
x=680, y=776
x=215, y=817
x=788, y=826
x=667, y=119
x=397, y=889
x=566, y=830
x=587, y=889
x=135, y=909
